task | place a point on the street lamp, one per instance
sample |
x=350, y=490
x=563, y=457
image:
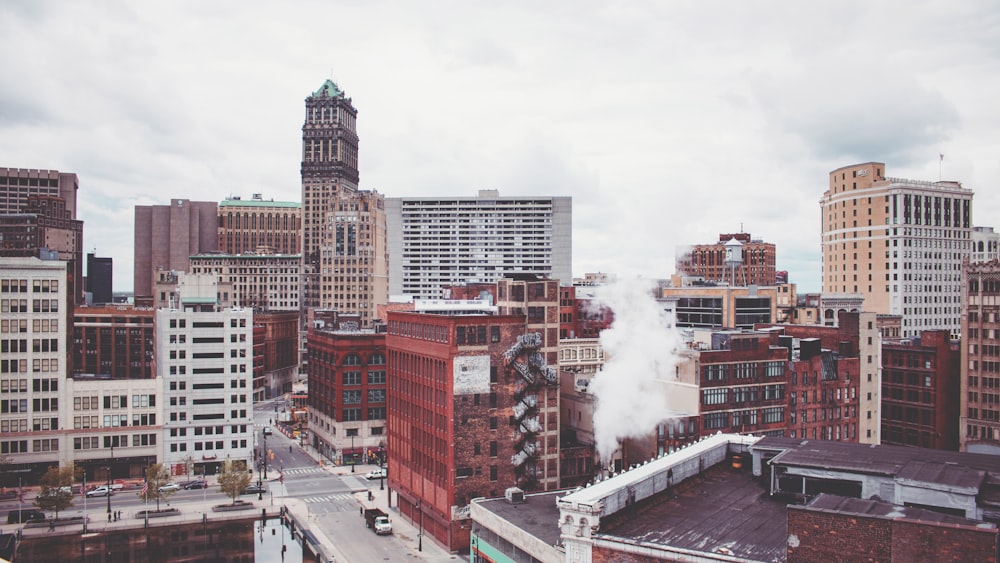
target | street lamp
x=109, y=477
x=265, y=453
x=420, y=536
x=353, y=460
x=381, y=462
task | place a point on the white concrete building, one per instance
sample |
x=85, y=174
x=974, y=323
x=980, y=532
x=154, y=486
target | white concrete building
x=985, y=244
x=205, y=360
x=441, y=241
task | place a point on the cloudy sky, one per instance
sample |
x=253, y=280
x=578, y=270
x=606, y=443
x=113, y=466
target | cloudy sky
x=667, y=122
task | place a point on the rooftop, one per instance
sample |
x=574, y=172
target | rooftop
x=232, y=202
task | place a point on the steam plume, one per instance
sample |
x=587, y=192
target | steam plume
x=640, y=355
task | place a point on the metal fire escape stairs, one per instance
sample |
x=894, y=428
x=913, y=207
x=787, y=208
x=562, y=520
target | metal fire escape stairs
x=526, y=360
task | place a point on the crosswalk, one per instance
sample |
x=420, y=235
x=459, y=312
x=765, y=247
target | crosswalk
x=329, y=498
x=302, y=470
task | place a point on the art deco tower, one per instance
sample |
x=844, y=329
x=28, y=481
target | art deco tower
x=329, y=171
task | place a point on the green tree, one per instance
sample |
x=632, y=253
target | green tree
x=157, y=475
x=233, y=479
x=57, y=490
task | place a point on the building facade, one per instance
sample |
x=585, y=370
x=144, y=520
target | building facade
x=113, y=342
x=99, y=280
x=347, y=392
x=263, y=282
x=979, y=422
x=18, y=184
x=45, y=226
x=256, y=225
x=985, y=244
x=756, y=265
x=329, y=171
x=437, y=242
x=920, y=391
x=205, y=361
x=900, y=243
x=166, y=235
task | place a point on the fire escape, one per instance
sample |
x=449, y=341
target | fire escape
x=529, y=364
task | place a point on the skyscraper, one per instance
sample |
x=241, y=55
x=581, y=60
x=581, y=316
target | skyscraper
x=18, y=184
x=99, y=278
x=329, y=171
x=166, y=235
x=900, y=243
x=437, y=242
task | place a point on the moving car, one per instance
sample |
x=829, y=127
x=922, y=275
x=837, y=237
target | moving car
x=169, y=487
x=101, y=491
x=195, y=485
x=379, y=473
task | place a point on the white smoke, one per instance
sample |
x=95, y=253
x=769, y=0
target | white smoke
x=640, y=354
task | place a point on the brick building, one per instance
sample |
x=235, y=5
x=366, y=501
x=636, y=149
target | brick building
x=249, y=225
x=113, y=342
x=756, y=267
x=979, y=422
x=920, y=391
x=46, y=224
x=473, y=405
x=166, y=236
x=347, y=391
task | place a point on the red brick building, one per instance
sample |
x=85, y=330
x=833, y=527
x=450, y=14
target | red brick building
x=347, y=392
x=709, y=261
x=921, y=386
x=115, y=342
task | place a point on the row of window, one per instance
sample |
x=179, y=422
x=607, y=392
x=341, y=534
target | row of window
x=208, y=446
x=21, y=286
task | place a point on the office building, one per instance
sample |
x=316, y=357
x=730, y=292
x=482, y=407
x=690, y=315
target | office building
x=473, y=403
x=18, y=184
x=900, y=243
x=264, y=282
x=205, y=361
x=920, y=391
x=99, y=280
x=329, y=171
x=979, y=422
x=113, y=342
x=347, y=392
x=985, y=244
x=46, y=228
x=259, y=225
x=436, y=242
x=755, y=267
x=166, y=236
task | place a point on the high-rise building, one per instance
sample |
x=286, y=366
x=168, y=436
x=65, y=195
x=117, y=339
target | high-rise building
x=979, y=412
x=264, y=282
x=755, y=267
x=204, y=358
x=18, y=184
x=99, y=279
x=435, y=242
x=898, y=242
x=47, y=229
x=166, y=235
x=329, y=171
x=259, y=225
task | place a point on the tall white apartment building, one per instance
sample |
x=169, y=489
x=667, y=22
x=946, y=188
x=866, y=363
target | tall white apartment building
x=900, y=243
x=33, y=366
x=205, y=360
x=436, y=242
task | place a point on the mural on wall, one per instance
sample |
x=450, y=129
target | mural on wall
x=471, y=375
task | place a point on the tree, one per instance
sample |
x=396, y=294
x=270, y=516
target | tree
x=157, y=475
x=57, y=490
x=233, y=479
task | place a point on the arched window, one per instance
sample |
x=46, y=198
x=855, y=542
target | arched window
x=352, y=359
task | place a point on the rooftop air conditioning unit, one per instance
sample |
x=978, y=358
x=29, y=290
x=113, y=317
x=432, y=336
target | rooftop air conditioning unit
x=514, y=495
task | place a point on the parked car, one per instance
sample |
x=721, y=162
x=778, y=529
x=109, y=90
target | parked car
x=267, y=430
x=101, y=491
x=255, y=489
x=25, y=515
x=379, y=473
x=169, y=487
x=196, y=485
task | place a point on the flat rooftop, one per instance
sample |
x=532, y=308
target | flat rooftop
x=722, y=510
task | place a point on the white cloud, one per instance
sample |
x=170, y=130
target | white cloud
x=667, y=122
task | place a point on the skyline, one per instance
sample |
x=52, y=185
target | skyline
x=628, y=109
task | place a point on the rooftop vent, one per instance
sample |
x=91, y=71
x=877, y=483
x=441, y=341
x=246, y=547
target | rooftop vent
x=514, y=495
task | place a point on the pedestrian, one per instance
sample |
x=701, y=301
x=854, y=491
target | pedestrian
x=109, y=517
x=52, y=525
